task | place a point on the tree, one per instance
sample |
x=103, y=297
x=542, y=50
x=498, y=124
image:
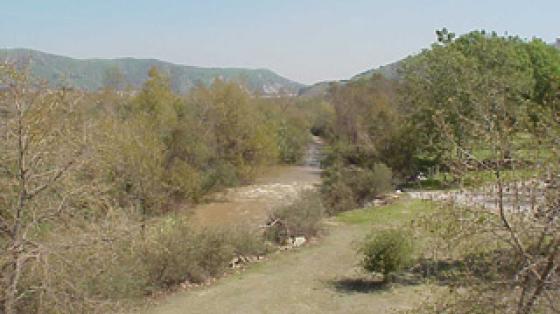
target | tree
x=240, y=138
x=39, y=147
x=489, y=118
x=455, y=77
x=545, y=61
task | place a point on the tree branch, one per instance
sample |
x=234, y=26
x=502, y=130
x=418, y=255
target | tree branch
x=51, y=181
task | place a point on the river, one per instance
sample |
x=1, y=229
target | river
x=250, y=204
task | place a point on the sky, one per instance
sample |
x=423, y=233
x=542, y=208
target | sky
x=304, y=40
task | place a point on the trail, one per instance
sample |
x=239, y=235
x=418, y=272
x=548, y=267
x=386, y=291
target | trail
x=319, y=278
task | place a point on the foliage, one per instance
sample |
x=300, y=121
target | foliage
x=456, y=77
x=502, y=121
x=346, y=187
x=163, y=147
x=85, y=176
x=365, y=144
x=386, y=251
x=175, y=252
x=99, y=268
x=301, y=218
x=292, y=121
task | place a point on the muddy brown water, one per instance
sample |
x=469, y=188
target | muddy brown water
x=250, y=204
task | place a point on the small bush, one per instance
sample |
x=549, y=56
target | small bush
x=348, y=187
x=176, y=252
x=386, y=252
x=301, y=218
x=246, y=241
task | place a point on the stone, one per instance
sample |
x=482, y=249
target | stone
x=299, y=241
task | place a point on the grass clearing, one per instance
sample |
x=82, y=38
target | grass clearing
x=402, y=211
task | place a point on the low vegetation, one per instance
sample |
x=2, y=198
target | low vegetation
x=387, y=252
x=88, y=177
x=302, y=218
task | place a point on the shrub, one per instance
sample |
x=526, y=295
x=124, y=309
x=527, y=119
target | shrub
x=185, y=181
x=386, y=252
x=175, y=252
x=345, y=188
x=246, y=241
x=301, y=218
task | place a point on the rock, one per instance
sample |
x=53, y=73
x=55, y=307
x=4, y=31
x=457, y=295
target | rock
x=379, y=202
x=251, y=259
x=299, y=241
x=235, y=262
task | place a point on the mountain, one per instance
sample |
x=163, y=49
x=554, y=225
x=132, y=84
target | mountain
x=316, y=90
x=91, y=74
x=389, y=71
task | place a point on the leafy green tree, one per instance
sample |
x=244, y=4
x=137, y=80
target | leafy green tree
x=239, y=135
x=453, y=78
x=545, y=61
x=157, y=100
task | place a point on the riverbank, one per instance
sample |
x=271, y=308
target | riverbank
x=275, y=186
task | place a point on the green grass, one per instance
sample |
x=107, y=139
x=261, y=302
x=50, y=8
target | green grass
x=402, y=211
x=475, y=178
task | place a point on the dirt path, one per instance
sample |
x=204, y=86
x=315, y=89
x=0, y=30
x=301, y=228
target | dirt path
x=319, y=278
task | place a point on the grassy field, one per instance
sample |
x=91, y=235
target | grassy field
x=401, y=212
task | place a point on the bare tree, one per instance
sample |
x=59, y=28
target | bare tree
x=39, y=147
x=518, y=205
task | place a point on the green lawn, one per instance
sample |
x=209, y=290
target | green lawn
x=400, y=212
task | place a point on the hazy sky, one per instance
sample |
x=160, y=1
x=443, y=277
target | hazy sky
x=304, y=40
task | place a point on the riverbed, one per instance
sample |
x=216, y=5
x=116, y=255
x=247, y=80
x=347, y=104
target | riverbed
x=251, y=204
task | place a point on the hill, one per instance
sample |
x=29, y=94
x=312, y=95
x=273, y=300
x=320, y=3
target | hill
x=92, y=74
x=316, y=90
x=389, y=71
